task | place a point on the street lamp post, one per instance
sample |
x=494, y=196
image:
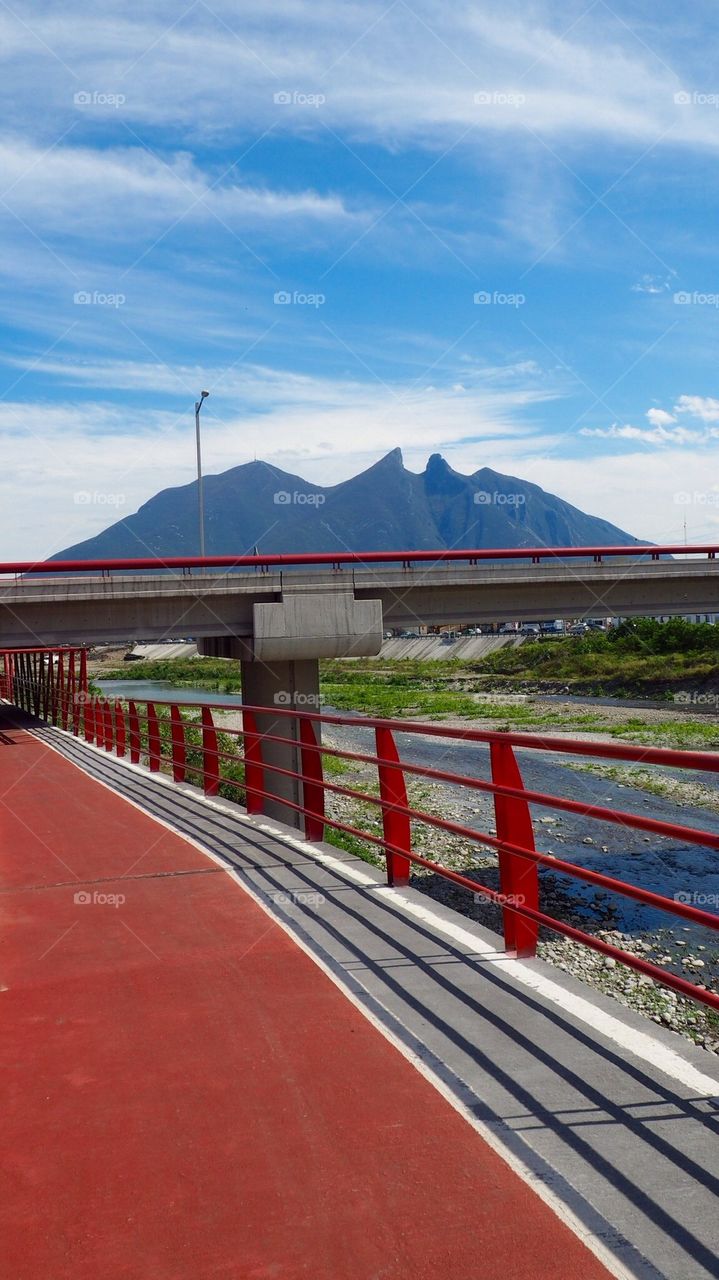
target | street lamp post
x=200, y=497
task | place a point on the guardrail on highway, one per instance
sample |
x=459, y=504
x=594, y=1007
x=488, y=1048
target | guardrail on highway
x=336, y=560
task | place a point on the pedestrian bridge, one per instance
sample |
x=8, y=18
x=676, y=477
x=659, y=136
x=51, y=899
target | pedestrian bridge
x=237, y=1049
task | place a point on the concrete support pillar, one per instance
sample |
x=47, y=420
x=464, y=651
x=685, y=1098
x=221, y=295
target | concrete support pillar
x=282, y=684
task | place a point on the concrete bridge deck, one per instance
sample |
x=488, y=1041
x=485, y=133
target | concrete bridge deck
x=265, y=1063
x=254, y=607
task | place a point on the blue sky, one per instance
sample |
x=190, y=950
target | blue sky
x=495, y=225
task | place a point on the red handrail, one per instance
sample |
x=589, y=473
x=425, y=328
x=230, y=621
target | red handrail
x=513, y=842
x=473, y=555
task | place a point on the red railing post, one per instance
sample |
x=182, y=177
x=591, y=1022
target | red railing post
x=61, y=690
x=154, y=745
x=98, y=722
x=254, y=771
x=73, y=700
x=179, y=756
x=313, y=791
x=26, y=684
x=518, y=877
x=133, y=721
x=47, y=683
x=36, y=684
x=53, y=672
x=88, y=716
x=83, y=671
x=108, y=727
x=396, y=826
x=119, y=712
x=210, y=757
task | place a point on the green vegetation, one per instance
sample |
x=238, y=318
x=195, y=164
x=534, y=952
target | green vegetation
x=640, y=656
x=215, y=674
x=632, y=658
x=664, y=783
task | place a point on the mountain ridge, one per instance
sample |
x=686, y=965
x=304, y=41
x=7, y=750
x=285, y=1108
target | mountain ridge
x=383, y=508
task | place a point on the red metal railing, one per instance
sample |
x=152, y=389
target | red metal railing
x=336, y=559
x=166, y=739
x=51, y=683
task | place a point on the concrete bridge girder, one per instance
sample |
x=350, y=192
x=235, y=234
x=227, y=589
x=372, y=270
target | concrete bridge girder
x=152, y=607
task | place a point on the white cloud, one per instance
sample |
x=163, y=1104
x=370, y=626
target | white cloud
x=702, y=407
x=657, y=435
x=386, y=71
x=651, y=284
x=659, y=417
x=647, y=494
x=76, y=189
x=664, y=429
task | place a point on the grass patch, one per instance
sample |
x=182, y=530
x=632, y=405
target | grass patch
x=218, y=675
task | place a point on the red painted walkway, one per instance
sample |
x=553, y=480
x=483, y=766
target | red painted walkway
x=188, y=1096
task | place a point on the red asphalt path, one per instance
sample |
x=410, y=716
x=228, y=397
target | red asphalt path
x=187, y=1095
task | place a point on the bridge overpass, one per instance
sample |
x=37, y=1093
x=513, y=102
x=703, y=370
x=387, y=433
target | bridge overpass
x=284, y=607
x=279, y=614
x=237, y=1049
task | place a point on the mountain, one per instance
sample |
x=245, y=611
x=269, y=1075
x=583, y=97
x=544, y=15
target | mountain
x=384, y=508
